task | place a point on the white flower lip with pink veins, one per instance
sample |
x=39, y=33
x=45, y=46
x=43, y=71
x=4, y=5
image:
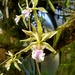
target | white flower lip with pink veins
x=7, y=66
x=26, y=12
x=8, y=63
x=38, y=55
x=17, y=19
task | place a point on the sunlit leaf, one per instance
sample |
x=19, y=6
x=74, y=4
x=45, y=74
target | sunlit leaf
x=51, y=5
x=50, y=48
x=48, y=35
x=17, y=66
x=41, y=9
x=56, y=37
x=34, y=2
x=66, y=4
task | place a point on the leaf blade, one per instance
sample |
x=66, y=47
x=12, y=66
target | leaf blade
x=51, y=5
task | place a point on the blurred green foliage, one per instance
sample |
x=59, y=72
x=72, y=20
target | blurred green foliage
x=67, y=60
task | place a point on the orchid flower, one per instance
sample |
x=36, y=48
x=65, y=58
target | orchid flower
x=12, y=59
x=17, y=19
x=38, y=39
x=26, y=12
x=8, y=64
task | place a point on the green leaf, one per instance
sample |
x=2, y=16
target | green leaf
x=48, y=35
x=50, y=48
x=16, y=65
x=66, y=3
x=29, y=47
x=51, y=5
x=41, y=9
x=34, y=2
x=56, y=37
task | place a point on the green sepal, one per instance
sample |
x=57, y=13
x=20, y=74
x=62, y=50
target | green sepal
x=48, y=35
x=34, y=2
x=49, y=47
x=23, y=19
x=34, y=28
x=30, y=33
x=16, y=65
x=41, y=9
x=28, y=39
x=39, y=28
x=29, y=46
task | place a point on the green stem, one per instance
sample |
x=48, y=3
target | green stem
x=27, y=3
x=35, y=16
x=47, y=4
x=4, y=61
x=19, y=52
x=29, y=24
x=24, y=22
x=38, y=68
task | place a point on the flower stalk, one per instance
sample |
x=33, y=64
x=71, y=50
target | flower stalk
x=38, y=69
